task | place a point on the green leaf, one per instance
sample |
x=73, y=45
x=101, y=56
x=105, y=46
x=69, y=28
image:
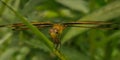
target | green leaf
x=78, y=5
x=8, y=54
x=106, y=13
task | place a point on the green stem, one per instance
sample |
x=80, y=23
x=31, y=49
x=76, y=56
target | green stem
x=2, y=9
x=43, y=38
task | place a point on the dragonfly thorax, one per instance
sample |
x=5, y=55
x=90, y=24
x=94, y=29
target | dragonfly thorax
x=57, y=28
x=55, y=33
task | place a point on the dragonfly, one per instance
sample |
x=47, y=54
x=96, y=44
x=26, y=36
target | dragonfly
x=56, y=29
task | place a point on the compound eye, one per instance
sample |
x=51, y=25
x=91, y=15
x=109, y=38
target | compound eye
x=56, y=31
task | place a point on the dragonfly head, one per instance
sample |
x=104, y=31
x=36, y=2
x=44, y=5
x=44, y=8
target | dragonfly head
x=57, y=29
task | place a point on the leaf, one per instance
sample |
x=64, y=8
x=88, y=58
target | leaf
x=73, y=54
x=5, y=38
x=78, y=5
x=104, y=14
x=30, y=6
x=8, y=54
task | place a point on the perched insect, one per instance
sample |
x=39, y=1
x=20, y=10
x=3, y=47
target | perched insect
x=56, y=28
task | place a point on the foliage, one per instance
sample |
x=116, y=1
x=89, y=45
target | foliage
x=77, y=43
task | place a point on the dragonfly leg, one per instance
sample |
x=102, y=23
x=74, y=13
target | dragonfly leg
x=57, y=43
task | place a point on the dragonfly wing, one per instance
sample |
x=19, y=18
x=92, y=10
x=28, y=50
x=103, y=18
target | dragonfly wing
x=88, y=23
x=21, y=26
x=94, y=24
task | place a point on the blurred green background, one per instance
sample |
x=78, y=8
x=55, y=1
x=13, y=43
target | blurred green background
x=77, y=43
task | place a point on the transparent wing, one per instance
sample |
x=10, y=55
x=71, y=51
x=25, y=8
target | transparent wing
x=21, y=26
x=94, y=24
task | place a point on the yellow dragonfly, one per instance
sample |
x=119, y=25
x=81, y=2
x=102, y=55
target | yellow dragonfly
x=57, y=28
